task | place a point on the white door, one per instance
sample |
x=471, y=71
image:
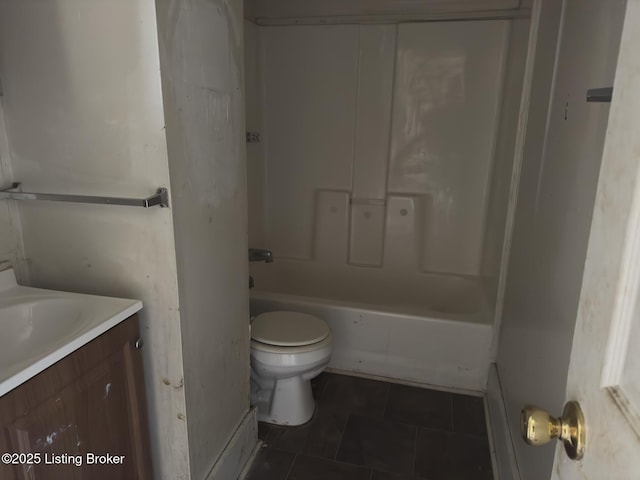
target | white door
x=604, y=371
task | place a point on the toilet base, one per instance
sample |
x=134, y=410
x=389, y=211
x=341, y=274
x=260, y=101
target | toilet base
x=291, y=402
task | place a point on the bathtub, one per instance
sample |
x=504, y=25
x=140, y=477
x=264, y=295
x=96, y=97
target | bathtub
x=425, y=328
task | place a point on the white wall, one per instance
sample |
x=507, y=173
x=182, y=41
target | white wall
x=83, y=108
x=378, y=142
x=561, y=163
x=11, y=247
x=201, y=47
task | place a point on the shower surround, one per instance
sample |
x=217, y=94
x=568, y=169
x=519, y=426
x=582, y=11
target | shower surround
x=379, y=185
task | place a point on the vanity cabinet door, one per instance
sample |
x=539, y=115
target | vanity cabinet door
x=82, y=418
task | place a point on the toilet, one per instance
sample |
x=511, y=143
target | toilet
x=288, y=349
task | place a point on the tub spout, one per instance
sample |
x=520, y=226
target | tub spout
x=260, y=255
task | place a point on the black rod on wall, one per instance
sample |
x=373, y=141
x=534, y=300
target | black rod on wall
x=599, y=94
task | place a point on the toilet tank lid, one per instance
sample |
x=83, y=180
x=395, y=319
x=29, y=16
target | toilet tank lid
x=288, y=329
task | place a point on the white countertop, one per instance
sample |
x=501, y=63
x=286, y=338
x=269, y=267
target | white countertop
x=39, y=327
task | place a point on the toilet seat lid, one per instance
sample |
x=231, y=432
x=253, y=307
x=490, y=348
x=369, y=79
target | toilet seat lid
x=288, y=329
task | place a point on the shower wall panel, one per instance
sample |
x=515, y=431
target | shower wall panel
x=376, y=53
x=310, y=76
x=332, y=227
x=445, y=109
x=379, y=141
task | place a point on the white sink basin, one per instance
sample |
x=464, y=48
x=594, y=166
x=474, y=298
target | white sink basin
x=39, y=327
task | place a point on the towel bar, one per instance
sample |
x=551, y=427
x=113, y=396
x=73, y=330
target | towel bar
x=160, y=198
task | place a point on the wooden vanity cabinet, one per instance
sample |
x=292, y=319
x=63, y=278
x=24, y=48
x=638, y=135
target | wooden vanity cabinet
x=90, y=402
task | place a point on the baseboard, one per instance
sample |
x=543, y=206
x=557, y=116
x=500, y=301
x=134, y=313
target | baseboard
x=404, y=381
x=247, y=468
x=239, y=452
x=504, y=462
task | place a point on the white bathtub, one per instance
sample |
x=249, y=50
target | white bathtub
x=431, y=329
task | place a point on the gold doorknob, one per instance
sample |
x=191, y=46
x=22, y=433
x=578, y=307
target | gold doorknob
x=539, y=427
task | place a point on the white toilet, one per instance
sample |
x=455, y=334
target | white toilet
x=288, y=349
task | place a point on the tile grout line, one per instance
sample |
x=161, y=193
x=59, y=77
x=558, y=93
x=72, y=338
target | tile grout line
x=452, y=421
x=322, y=389
x=338, y=462
x=295, y=457
x=335, y=455
x=407, y=424
x=386, y=402
x=415, y=453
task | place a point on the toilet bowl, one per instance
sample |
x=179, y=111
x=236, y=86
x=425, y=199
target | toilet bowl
x=288, y=349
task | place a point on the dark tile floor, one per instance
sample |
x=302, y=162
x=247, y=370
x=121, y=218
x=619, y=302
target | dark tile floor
x=369, y=430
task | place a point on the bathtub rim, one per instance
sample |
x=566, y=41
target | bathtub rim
x=484, y=318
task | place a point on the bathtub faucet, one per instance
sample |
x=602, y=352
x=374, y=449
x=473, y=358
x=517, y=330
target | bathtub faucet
x=260, y=255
